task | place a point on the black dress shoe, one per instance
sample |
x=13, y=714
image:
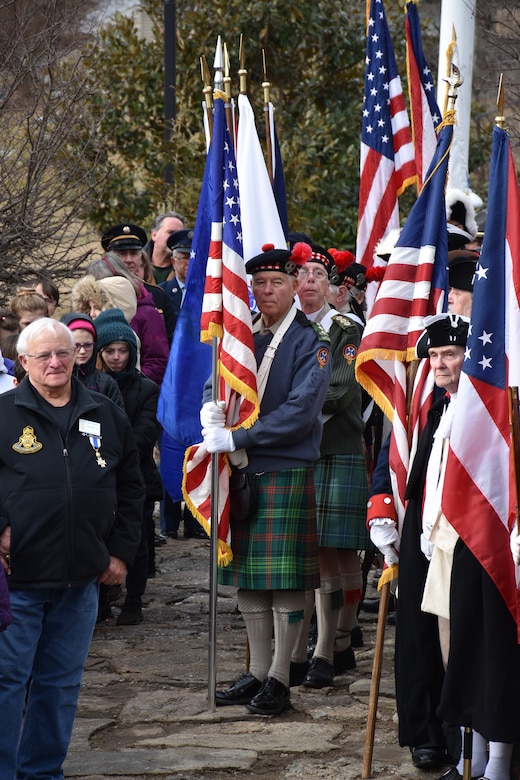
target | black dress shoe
x=159, y=540
x=241, y=692
x=297, y=673
x=356, y=637
x=428, y=756
x=195, y=533
x=344, y=661
x=451, y=774
x=320, y=674
x=272, y=698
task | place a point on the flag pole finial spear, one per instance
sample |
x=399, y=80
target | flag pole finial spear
x=227, y=90
x=218, y=66
x=500, y=119
x=266, y=86
x=207, y=92
x=242, y=71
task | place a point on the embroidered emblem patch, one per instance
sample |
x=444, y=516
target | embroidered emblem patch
x=27, y=444
x=349, y=353
x=323, y=356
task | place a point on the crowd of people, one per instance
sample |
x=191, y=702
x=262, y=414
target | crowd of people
x=79, y=396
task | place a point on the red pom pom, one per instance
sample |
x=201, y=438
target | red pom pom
x=342, y=259
x=376, y=273
x=267, y=247
x=301, y=253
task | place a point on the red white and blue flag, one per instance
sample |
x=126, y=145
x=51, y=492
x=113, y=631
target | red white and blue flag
x=413, y=287
x=424, y=111
x=479, y=496
x=225, y=316
x=387, y=156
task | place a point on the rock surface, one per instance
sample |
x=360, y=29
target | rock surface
x=143, y=710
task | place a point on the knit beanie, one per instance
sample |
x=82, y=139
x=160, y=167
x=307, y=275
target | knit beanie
x=74, y=320
x=111, y=325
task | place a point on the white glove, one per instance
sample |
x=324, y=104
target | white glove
x=385, y=537
x=218, y=439
x=426, y=547
x=514, y=541
x=212, y=415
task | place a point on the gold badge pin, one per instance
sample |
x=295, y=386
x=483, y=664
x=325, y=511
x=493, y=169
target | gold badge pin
x=27, y=444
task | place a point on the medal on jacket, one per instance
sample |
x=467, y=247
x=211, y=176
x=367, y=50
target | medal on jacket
x=95, y=441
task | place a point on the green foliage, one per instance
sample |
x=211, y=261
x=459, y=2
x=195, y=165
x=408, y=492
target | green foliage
x=315, y=62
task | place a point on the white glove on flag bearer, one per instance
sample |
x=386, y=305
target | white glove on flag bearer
x=212, y=415
x=514, y=541
x=218, y=439
x=385, y=537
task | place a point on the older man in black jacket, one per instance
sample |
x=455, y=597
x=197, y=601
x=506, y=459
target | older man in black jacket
x=71, y=496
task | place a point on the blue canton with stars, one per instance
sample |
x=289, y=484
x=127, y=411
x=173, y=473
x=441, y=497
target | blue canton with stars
x=380, y=69
x=226, y=203
x=485, y=357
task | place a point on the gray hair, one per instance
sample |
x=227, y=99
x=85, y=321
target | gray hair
x=40, y=326
x=112, y=265
x=156, y=224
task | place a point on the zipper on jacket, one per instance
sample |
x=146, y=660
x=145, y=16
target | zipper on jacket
x=70, y=545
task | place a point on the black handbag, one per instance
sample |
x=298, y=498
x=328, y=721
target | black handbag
x=243, y=499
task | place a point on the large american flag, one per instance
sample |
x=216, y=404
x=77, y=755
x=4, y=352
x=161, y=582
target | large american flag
x=387, y=156
x=225, y=316
x=413, y=287
x=424, y=111
x=478, y=495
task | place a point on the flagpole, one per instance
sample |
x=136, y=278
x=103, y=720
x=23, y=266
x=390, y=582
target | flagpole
x=242, y=71
x=214, y=502
x=268, y=142
x=208, y=94
x=228, y=105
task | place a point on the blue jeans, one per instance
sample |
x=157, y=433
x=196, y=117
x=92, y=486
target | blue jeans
x=42, y=656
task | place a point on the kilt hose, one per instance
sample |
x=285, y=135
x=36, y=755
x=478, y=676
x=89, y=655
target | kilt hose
x=341, y=501
x=277, y=548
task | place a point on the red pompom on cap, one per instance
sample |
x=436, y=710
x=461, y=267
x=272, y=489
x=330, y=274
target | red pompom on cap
x=301, y=253
x=267, y=247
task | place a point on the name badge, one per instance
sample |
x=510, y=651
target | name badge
x=89, y=427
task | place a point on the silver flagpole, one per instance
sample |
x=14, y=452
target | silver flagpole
x=212, y=644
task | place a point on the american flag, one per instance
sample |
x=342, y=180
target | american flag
x=387, y=156
x=478, y=495
x=414, y=286
x=227, y=317
x=424, y=111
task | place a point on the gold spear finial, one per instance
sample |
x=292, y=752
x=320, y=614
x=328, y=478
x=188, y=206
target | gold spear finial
x=266, y=85
x=227, y=77
x=242, y=71
x=500, y=119
x=206, y=80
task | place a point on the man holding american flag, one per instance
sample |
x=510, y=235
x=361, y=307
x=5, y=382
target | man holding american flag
x=275, y=550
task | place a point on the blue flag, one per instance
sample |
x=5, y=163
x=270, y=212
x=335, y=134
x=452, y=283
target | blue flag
x=189, y=364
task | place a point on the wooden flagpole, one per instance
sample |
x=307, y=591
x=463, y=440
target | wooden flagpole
x=266, y=85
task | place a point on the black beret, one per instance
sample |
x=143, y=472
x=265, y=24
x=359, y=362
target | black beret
x=322, y=256
x=124, y=236
x=271, y=259
x=180, y=240
x=442, y=330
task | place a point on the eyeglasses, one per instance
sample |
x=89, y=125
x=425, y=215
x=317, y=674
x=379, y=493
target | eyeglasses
x=46, y=357
x=318, y=275
x=88, y=347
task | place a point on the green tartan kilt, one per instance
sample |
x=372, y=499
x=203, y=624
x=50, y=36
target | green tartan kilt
x=341, y=499
x=277, y=548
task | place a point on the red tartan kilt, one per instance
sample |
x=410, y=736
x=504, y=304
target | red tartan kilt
x=277, y=548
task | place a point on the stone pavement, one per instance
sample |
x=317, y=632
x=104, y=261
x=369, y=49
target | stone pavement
x=143, y=708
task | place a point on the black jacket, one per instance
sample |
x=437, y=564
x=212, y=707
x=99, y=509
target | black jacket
x=140, y=396
x=69, y=510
